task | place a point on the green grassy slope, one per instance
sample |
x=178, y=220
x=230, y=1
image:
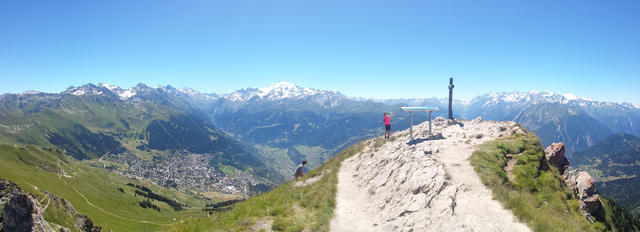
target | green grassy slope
x=291, y=208
x=615, y=165
x=536, y=193
x=92, y=191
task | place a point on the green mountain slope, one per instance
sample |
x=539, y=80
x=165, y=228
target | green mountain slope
x=556, y=122
x=537, y=193
x=89, y=126
x=92, y=191
x=615, y=163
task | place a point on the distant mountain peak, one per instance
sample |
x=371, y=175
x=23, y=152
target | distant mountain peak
x=88, y=89
x=570, y=96
x=277, y=91
x=534, y=97
x=30, y=92
x=280, y=85
x=109, y=86
x=123, y=94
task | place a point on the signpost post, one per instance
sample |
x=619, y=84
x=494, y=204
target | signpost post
x=451, y=98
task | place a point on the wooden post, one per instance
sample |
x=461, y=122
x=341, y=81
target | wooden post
x=430, y=123
x=411, y=124
x=450, y=98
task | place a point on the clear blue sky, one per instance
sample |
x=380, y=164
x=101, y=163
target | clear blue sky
x=373, y=49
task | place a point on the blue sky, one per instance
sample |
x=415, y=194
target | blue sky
x=373, y=49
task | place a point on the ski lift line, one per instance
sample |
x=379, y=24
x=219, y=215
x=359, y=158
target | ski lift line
x=412, y=109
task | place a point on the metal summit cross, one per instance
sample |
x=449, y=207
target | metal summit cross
x=411, y=110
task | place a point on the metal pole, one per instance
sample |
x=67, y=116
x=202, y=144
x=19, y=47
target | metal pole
x=451, y=98
x=411, y=124
x=430, y=123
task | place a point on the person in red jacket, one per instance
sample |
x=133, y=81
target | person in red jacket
x=387, y=125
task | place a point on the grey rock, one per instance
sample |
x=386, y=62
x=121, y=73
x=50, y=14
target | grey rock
x=585, y=191
x=7, y=190
x=23, y=213
x=86, y=224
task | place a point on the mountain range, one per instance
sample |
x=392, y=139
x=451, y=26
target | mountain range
x=577, y=122
x=90, y=122
x=284, y=123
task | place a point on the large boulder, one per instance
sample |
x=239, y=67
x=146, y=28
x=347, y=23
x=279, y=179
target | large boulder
x=555, y=155
x=585, y=190
x=23, y=213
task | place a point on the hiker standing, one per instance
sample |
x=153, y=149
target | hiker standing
x=387, y=124
x=299, y=170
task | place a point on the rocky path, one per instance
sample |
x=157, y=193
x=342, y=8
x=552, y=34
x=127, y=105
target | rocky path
x=351, y=213
x=426, y=186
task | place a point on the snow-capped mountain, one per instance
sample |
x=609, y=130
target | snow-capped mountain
x=551, y=113
x=278, y=91
x=287, y=92
x=88, y=89
x=143, y=91
x=536, y=97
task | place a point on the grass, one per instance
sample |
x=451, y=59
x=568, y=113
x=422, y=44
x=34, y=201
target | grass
x=291, y=208
x=36, y=170
x=537, y=195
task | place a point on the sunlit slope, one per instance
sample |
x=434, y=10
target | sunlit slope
x=92, y=191
x=534, y=190
x=90, y=126
x=307, y=203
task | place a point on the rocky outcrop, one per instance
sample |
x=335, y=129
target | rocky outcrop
x=7, y=190
x=86, y=224
x=585, y=190
x=23, y=213
x=424, y=184
x=582, y=184
x=555, y=155
x=20, y=211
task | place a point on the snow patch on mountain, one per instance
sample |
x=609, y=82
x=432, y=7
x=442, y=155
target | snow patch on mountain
x=126, y=94
x=108, y=86
x=88, y=89
x=570, y=97
x=123, y=94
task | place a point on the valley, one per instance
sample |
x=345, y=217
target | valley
x=615, y=164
